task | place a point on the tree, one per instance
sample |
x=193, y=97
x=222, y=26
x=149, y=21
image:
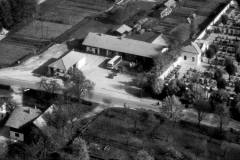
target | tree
x=222, y=112
x=6, y=15
x=231, y=69
x=171, y=108
x=197, y=91
x=9, y=103
x=81, y=146
x=224, y=19
x=15, y=10
x=210, y=53
x=237, y=86
x=237, y=56
x=3, y=147
x=193, y=27
x=157, y=86
x=143, y=155
x=172, y=88
x=29, y=8
x=144, y=81
x=188, y=98
x=77, y=85
x=202, y=107
x=78, y=150
x=218, y=74
x=221, y=83
x=218, y=97
x=228, y=61
x=50, y=85
x=195, y=77
x=63, y=123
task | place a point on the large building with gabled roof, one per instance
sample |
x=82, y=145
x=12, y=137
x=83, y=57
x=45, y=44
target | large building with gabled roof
x=107, y=45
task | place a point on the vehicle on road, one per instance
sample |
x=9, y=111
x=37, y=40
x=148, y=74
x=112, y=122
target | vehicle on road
x=113, y=63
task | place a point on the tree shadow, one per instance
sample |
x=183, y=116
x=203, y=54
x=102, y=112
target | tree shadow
x=131, y=89
x=75, y=44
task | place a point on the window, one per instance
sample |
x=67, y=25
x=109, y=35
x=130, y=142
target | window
x=17, y=135
x=193, y=59
x=185, y=57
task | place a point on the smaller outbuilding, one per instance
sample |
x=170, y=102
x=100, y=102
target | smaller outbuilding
x=67, y=63
x=122, y=30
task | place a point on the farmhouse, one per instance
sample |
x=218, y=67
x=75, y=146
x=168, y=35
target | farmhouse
x=67, y=63
x=19, y=120
x=122, y=30
x=129, y=49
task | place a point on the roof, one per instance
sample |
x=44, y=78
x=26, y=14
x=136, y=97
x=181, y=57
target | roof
x=123, y=28
x=161, y=40
x=123, y=45
x=21, y=116
x=67, y=61
x=191, y=48
x=146, y=36
x=40, y=122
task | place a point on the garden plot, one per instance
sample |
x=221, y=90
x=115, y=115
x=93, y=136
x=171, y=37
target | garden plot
x=73, y=11
x=43, y=30
x=11, y=53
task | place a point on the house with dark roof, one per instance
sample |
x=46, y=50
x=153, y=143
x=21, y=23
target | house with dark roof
x=129, y=49
x=19, y=119
x=66, y=63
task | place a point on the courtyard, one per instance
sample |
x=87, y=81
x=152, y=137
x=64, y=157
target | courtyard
x=119, y=86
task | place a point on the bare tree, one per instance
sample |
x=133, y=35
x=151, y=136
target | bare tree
x=50, y=86
x=77, y=85
x=171, y=108
x=221, y=111
x=202, y=107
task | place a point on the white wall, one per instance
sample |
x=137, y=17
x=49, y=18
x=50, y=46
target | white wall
x=81, y=63
x=189, y=59
x=165, y=73
x=13, y=135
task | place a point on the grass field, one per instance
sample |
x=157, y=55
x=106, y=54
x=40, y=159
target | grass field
x=73, y=11
x=90, y=25
x=43, y=30
x=11, y=53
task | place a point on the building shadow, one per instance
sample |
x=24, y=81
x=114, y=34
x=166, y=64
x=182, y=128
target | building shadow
x=43, y=69
x=104, y=63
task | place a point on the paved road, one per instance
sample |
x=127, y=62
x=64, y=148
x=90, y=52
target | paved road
x=96, y=96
